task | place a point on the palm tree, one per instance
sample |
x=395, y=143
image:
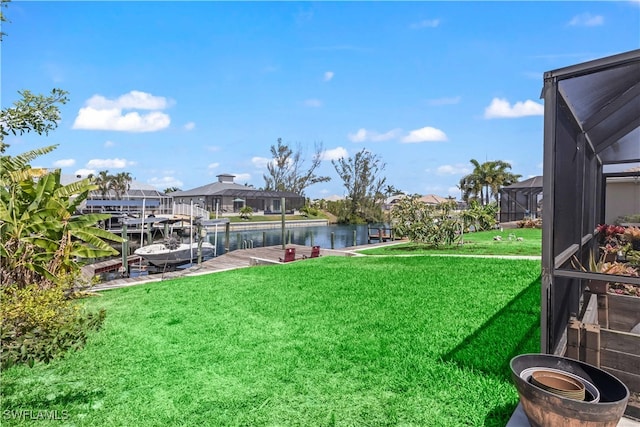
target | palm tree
x=486, y=180
x=103, y=181
x=120, y=183
x=470, y=187
x=500, y=177
x=390, y=190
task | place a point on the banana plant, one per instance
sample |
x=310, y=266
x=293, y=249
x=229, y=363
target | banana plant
x=42, y=240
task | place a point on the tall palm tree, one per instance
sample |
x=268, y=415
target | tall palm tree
x=486, y=180
x=103, y=181
x=500, y=177
x=470, y=187
x=120, y=183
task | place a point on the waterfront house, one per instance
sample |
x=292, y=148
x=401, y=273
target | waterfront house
x=230, y=197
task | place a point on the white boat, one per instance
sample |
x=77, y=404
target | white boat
x=162, y=254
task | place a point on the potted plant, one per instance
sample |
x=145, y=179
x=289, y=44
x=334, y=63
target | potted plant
x=610, y=252
x=632, y=235
x=599, y=265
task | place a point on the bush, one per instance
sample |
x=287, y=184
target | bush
x=38, y=325
x=309, y=211
x=422, y=223
x=246, y=212
x=635, y=218
x=480, y=217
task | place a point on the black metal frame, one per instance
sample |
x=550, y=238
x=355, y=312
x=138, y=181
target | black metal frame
x=591, y=120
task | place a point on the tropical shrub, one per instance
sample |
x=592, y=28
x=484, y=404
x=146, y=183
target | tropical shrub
x=422, y=223
x=42, y=244
x=634, y=218
x=309, y=210
x=246, y=212
x=481, y=217
x=38, y=325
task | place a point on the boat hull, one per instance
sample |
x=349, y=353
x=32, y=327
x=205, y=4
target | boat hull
x=159, y=255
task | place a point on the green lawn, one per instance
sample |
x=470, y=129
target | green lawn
x=480, y=243
x=421, y=341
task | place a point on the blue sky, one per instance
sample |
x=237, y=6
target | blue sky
x=178, y=92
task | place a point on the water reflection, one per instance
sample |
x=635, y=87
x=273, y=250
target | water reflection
x=343, y=237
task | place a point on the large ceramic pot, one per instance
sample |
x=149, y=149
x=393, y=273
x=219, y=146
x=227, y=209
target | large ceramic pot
x=544, y=408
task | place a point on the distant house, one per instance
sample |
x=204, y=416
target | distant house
x=231, y=197
x=130, y=202
x=622, y=196
x=429, y=199
x=433, y=200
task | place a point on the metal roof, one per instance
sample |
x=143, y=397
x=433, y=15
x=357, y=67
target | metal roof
x=212, y=189
x=151, y=203
x=604, y=97
x=535, y=182
x=221, y=189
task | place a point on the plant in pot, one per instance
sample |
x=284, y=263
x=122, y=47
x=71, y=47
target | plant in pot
x=624, y=269
x=632, y=235
x=609, y=233
x=610, y=252
x=599, y=265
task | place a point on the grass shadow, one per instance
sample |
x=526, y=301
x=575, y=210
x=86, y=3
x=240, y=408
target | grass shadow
x=513, y=330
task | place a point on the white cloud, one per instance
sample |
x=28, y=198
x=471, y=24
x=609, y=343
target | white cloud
x=425, y=134
x=260, y=162
x=335, y=154
x=445, y=101
x=109, y=163
x=85, y=172
x=100, y=113
x=586, y=20
x=64, y=163
x=91, y=119
x=328, y=76
x=500, y=108
x=425, y=23
x=313, y=103
x=165, y=182
x=457, y=169
x=190, y=126
x=134, y=100
x=213, y=165
x=241, y=178
x=109, y=144
x=363, y=135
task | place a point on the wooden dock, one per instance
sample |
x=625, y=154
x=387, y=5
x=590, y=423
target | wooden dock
x=380, y=234
x=111, y=265
x=239, y=258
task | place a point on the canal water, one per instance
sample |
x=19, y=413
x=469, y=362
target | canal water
x=327, y=237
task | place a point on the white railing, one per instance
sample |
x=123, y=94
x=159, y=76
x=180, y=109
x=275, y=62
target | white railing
x=188, y=210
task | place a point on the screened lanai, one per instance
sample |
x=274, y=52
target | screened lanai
x=591, y=136
x=521, y=199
